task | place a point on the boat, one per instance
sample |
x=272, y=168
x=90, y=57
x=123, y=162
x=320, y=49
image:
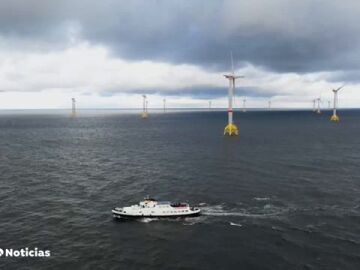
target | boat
x=152, y=208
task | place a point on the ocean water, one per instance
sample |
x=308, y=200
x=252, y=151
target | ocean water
x=284, y=194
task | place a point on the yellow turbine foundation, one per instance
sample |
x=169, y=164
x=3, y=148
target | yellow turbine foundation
x=334, y=118
x=231, y=129
x=144, y=115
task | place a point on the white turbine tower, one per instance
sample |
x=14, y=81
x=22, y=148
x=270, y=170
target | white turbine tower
x=164, y=101
x=318, y=105
x=231, y=129
x=73, y=107
x=269, y=105
x=314, y=105
x=209, y=105
x=244, y=105
x=334, y=117
x=144, y=113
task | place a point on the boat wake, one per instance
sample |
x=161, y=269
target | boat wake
x=235, y=224
x=147, y=220
x=262, y=199
x=266, y=211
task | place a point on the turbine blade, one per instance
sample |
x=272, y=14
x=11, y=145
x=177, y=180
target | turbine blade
x=340, y=87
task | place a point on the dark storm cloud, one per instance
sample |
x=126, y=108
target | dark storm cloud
x=296, y=36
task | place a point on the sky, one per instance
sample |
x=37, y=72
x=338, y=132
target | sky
x=108, y=53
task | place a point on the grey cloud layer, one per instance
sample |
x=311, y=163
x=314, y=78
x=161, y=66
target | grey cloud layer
x=280, y=35
x=200, y=92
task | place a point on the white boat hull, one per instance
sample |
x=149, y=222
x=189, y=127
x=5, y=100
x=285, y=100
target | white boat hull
x=121, y=213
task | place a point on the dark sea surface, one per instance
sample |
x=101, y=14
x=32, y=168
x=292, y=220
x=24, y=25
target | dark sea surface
x=284, y=194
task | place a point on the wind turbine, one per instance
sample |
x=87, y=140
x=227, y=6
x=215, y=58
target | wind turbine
x=144, y=113
x=334, y=117
x=269, y=105
x=209, y=105
x=164, y=101
x=314, y=105
x=231, y=129
x=318, y=105
x=244, y=105
x=73, y=107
